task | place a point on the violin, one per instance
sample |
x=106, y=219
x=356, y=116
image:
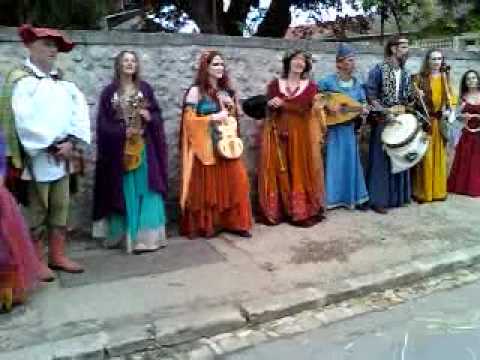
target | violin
x=228, y=144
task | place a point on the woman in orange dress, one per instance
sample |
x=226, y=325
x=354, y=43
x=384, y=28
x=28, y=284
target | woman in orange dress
x=214, y=191
x=291, y=186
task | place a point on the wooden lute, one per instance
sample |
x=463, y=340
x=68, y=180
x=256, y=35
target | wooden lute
x=349, y=108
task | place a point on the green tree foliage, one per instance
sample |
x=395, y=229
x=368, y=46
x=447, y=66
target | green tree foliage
x=448, y=25
x=399, y=10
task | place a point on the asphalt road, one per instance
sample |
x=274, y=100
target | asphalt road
x=442, y=326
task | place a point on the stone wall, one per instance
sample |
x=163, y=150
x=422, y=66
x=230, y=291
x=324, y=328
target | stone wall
x=169, y=62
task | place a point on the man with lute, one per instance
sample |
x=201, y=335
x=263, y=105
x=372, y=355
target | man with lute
x=345, y=101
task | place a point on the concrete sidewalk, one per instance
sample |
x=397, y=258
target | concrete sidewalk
x=191, y=290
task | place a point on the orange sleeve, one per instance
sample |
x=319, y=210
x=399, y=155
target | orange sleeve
x=198, y=137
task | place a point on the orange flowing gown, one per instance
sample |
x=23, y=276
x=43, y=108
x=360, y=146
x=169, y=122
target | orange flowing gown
x=214, y=194
x=291, y=181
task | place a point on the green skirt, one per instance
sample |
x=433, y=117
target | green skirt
x=143, y=227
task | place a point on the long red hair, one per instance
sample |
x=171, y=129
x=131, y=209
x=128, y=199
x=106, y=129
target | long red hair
x=202, y=77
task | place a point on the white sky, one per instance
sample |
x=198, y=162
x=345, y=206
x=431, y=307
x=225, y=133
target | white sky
x=301, y=17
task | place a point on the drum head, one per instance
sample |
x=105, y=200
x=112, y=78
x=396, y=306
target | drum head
x=399, y=130
x=403, y=158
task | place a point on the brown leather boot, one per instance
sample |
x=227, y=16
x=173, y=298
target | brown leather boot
x=57, y=258
x=46, y=275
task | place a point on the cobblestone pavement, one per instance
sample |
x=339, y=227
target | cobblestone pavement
x=331, y=333
x=442, y=326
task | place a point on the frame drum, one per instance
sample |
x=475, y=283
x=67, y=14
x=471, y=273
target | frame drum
x=404, y=141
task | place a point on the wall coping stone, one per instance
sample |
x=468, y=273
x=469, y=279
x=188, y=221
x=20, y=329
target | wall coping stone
x=93, y=37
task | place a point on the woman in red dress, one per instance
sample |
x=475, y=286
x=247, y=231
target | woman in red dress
x=465, y=174
x=290, y=183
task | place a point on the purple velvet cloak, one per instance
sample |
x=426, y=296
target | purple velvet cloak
x=108, y=189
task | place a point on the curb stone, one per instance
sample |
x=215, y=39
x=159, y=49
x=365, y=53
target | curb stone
x=188, y=327
x=127, y=340
x=404, y=274
x=85, y=347
x=277, y=306
x=194, y=327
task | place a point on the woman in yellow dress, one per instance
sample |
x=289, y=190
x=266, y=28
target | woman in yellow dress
x=430, y=175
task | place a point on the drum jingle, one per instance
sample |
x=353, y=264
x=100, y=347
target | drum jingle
x=404, y=141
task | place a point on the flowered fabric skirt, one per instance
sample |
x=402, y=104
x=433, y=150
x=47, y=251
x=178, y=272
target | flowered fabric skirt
x=19, y=265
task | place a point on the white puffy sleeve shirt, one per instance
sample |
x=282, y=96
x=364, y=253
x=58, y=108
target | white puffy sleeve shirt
x=47, y=110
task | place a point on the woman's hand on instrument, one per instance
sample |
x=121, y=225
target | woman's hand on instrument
x=132, y=132
x=365, y=110
x=145, y=114
x=219, y=116
x=334, y=109
x=226, y=101
x=427, y=127
x=275, y=102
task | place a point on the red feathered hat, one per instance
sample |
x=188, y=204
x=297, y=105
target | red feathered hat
x=29, y=34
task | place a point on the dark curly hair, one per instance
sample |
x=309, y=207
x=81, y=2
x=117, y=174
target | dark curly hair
x=287, y=59
x=463, y=82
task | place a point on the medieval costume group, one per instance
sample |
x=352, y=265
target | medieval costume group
x=307, y=162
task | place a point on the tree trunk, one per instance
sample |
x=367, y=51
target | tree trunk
x=234, y=19
x=397, y=20
x=382, y=23
x=277, y=20
x=203, y=13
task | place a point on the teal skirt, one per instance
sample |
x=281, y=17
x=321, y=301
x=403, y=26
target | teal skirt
x=143, y=227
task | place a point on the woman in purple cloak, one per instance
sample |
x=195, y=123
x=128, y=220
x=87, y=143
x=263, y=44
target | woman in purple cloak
x=131, y=173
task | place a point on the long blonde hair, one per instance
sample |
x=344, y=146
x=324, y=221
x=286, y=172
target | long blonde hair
x=118, y=67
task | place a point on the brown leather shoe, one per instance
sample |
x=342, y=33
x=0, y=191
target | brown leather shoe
x=241, y=233
x=305, y=223
x=380, y=210
x=362, y=207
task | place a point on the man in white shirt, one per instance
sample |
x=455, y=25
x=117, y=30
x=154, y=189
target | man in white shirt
x=50, y=118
